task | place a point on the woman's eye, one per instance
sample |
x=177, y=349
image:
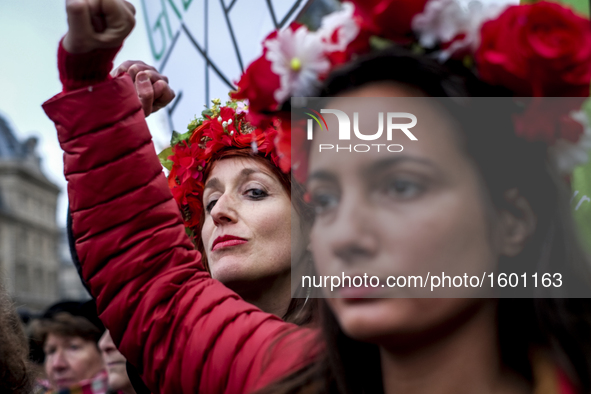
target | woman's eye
x=210, y=205
x=74, y=347
x=323, y=202
x=401, y=188
x=256, y=193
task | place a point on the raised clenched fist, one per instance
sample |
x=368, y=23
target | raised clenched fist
x=95, y=24
x=151, y=86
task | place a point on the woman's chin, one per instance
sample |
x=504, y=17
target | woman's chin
x=370, y=319
x=232, y=268
x=387, y=320
x=118, y=381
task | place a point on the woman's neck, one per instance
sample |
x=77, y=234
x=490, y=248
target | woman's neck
x=465, y=359
x=270, y=294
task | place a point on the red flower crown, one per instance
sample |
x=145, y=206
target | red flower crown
x=537, y=50
x=534, y=50
x=220, y=128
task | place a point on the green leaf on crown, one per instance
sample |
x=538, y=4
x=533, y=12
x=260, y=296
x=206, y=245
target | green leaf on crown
x=379, y=43
x=194, y=124
x=207, y=112
x=587, y=108
x=163, y=156
x=178, y=137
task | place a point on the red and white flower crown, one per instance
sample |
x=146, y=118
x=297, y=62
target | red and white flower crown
x=534, y=50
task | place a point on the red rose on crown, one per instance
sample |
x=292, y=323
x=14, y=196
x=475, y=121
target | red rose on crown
x=542, y=49
x=387, y=18
x=185, y=165
x=258, y=85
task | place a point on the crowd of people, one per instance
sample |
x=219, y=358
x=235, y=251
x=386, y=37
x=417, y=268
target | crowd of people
x=193, y=273
x=71, y=352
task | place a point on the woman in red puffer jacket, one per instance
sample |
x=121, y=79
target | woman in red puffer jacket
x=168, y=317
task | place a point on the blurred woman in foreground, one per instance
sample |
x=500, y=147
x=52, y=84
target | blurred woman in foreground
x=469, y=196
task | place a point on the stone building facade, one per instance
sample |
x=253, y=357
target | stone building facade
x=29, y=234
x=69, y=284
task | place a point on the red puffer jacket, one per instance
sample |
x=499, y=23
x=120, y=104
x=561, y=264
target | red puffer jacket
x=185, y=331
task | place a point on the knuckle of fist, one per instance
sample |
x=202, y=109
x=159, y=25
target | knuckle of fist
x=104, y=40
x=75, y=7
x=145, y=96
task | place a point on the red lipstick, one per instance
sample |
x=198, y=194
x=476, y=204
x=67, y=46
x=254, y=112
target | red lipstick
x=225, y=241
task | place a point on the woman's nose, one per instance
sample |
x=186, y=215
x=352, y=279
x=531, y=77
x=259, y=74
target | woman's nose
x=352, y=237
x=58, y=361
x=225, y=210
x=107, y=346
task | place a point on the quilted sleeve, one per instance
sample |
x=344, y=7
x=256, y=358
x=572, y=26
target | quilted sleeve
x=186, y=332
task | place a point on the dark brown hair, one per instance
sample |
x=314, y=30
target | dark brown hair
x=561, y=326
x=15, y=371
x=65, y=325
x=300, y=310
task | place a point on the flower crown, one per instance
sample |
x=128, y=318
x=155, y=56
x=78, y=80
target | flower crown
x=220, y=128
x=534, y=50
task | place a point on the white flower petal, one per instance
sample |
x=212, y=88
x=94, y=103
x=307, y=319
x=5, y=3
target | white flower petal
x=568, y=155
x=341, y=22
x=442, y=20
x=309, y=50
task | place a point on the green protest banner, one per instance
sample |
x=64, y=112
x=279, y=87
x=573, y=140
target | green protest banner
x=579, y=6
x=581, y=202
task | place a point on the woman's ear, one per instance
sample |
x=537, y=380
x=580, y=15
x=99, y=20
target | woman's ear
x=516, y=224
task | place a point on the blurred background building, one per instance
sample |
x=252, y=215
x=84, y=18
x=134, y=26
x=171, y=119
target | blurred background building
x=34, y=258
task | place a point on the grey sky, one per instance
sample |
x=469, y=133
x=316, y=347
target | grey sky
x=30, y=31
